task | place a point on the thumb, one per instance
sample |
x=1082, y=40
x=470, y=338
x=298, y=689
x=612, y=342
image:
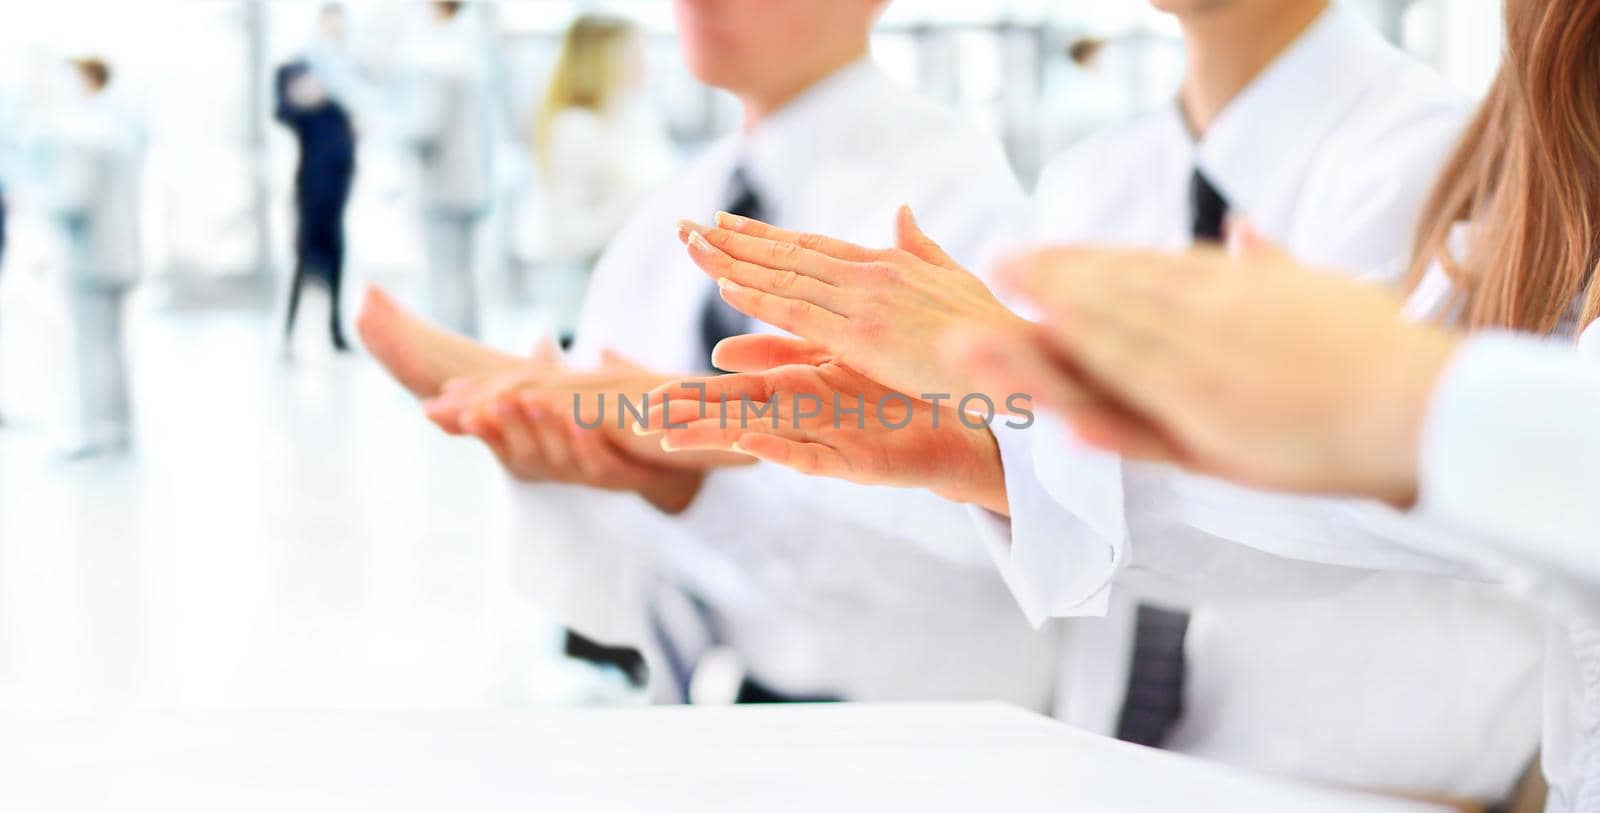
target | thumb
x=1246, y=242
x=758, y=352
x=910, y=237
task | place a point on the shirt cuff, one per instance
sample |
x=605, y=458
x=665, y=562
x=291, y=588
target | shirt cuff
x=1053, y=562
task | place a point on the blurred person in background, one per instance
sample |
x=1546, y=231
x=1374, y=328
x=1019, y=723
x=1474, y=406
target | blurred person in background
x=323, y=129
x=454, y=136
x=96, y=151
x=750, y=583
x=599, y=146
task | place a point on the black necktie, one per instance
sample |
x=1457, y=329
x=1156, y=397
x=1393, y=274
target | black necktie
x=1154, y=701
x=1208, y=208
x=718, y=319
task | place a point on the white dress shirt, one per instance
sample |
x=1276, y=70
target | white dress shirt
x=822, y=587
x=1510, y=473
x=1306, y=666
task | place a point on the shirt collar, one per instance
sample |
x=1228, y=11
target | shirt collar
x=1258, y=149
x=777, y=154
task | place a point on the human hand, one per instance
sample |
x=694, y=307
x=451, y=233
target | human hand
x=1004, y=359
x=477, y=398
x=828, y=420
x=546, y=423
x=536, y=441
x=873, y=310
x=1253, y=367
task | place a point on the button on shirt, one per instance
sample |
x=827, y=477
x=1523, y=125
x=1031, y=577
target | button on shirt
x=822, y=587
x=1323, y=669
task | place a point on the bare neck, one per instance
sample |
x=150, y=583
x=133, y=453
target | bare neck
x=1229, y=47
x=761, y=103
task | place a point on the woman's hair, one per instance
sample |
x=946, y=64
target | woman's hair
x=94, y=70
x=587, y=74
x=1527, y=176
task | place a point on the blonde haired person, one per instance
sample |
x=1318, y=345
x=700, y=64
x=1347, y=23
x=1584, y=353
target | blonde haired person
x=600, y=149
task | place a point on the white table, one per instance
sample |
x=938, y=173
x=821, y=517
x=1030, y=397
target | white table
x=977, y=757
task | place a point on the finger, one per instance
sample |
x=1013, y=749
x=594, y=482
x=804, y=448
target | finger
x=478, y=425
x=697, y=398
x=1052, y=277
x=910, y=237
x=444, y=414
x=1129, y=366
x=522, y=454
x=811, y=458
x=549, y=430
x=837, y=249
x=754, y=353
x=787, y=283
x=1006, y=363
x=600, y=463
x=804, y=319
x=722, y=424
x=715, y=388
x=1086, y=321
x=780, y=255
x=710, y=434
x=1132, y=297
x=688, y=227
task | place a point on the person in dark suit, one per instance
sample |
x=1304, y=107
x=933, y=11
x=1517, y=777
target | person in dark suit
x=322, y=183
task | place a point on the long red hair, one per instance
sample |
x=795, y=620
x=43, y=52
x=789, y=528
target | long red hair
x=1527, y=176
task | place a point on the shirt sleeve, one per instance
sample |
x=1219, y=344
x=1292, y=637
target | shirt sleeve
x=1512, y=448
x=1057, y=561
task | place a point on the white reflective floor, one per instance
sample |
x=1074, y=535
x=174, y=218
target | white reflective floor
x=283, y=535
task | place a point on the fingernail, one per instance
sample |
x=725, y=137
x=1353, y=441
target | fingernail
x=729, y=221
x=666, y=444
x=699, y=241
x=684, y=228
x=727, y=285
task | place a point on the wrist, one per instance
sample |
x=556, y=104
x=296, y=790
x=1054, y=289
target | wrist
x=1386, y=433
x=981, y=479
